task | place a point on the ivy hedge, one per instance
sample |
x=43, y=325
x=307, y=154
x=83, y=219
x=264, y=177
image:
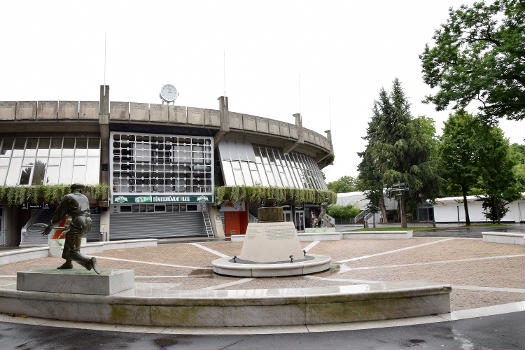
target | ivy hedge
x=280, y=194
x=16, y=195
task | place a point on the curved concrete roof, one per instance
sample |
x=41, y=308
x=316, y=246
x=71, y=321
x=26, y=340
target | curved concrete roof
x=37, y=116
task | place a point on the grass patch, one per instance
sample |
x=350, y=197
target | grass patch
x=412, y=228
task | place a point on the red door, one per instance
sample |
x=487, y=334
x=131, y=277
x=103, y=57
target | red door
x=235, y=222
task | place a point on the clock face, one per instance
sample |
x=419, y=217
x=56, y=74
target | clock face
x=168, y=93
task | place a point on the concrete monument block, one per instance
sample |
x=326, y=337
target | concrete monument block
x=75, y=281
x=212, y=117
x=68, y=110
x=273, y=127
x=284, y=130
x=139, y=111
x=158, y=113
x=271, y=242
x=236, y=121
x=262, y=124
x=25, y=110
x=179, y=115
x=47, y=110
x=119, y=110
x=88, y=110
x=7, y=110
x=249, y=122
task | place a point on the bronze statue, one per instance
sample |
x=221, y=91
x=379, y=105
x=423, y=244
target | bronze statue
x=323, y=219
x=75, y=205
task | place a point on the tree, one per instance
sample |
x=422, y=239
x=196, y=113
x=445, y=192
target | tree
x=400, y=152
x=497, y=179
x=460, y=149
x=518, y=153
x=344, y=184
x=479, y=55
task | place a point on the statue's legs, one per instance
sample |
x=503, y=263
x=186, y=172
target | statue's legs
x=71, y=250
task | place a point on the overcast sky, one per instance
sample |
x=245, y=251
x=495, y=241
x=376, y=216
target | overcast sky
x=282, y=57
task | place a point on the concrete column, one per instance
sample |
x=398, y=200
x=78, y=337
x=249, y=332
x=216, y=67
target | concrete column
x=327, y=158
x=103, y=119
x=104, y=225
x=224, y=114
x=299, y=125
x=300, y=134
x=12, y=226
x=216, y=223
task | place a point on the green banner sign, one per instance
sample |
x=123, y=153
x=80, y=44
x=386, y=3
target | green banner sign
x=161, y=198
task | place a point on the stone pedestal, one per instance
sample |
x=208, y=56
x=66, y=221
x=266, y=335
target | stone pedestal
x=75, y=281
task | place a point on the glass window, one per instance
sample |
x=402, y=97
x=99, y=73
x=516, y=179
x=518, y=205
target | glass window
x=56, y=147
x=31, y=147
x=79, y=174
x=18, y=149
x=3, y=173
x=68, y=147
x=7, y=147
x=52, y=175
x=39, y=172
x=43, y=147
x=25, y=175
x=125, y=208
x=14, y=170
x=94, y=147
x=80, y=147
x=191, y=207
x=66, y=170
x=92, y=171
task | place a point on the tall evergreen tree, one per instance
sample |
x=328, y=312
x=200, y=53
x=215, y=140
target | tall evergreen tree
x=399, y=154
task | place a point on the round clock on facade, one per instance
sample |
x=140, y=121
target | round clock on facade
x=168, y=93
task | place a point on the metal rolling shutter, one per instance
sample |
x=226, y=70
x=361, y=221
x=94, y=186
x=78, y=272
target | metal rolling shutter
x=94, y=234
x=155, y=225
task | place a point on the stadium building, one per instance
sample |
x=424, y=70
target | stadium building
x=161, y=163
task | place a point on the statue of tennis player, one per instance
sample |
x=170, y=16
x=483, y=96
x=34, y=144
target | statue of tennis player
x=75, y=205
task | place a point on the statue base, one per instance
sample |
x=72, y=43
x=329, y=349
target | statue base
x=75, y=281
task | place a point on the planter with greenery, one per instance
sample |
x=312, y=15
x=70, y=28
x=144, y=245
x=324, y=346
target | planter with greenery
x=17, y=195
x=279, y=194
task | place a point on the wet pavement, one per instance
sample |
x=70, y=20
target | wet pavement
x=488, y=333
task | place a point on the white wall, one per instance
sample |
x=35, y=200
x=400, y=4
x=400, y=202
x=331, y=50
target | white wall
x=448, y=211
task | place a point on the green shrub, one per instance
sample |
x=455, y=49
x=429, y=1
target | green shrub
x=343, y=212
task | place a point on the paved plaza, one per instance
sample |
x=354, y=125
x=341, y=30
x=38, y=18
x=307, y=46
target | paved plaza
x=481, y=274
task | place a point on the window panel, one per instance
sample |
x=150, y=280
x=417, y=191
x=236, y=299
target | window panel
x=56, y=147
x=92, y=170
x=66, y=170
x=3, y=173
x=18, y=149
x=7, y=147
x=43, y=147
x=14, y=170
x=39, y=171
x=31, y=147
x=80, y=147
x=161, y=163
x=94, y=147
x=68, y=147
x=52, y=175
x=79, y=174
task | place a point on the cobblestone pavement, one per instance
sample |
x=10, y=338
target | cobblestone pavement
x=480, y=273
